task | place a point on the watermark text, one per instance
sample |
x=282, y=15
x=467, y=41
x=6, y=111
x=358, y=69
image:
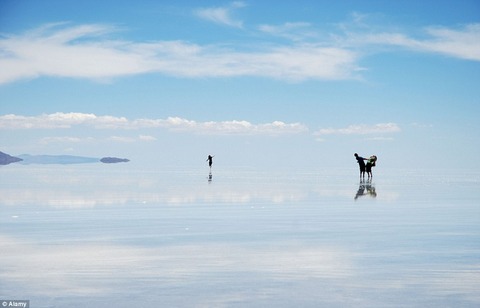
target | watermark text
x=18, y=303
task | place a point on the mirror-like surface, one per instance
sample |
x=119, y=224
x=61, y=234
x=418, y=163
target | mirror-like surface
x=109, y=236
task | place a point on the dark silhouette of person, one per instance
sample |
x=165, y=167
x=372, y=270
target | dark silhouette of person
x=210, y=160
x=361, y=164
x=370, y=163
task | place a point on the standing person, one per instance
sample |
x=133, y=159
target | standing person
x=210, y=161
x=371, y=163
x=361, y=164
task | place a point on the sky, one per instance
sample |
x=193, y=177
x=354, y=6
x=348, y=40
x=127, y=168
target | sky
x=261, y=84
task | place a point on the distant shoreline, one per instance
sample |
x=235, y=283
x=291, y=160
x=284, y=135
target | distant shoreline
x=27, y=159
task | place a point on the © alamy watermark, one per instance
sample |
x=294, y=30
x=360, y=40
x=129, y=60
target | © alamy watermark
x=14, y=303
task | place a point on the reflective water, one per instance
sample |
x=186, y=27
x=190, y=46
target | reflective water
x=117, y=236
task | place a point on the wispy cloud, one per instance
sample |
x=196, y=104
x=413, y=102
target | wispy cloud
x=362, y=129
x=146, y=138
x=462, y=42
x=381, y=139
x=85, y=52
x=56, y=50
x=48, y=140
x=88, y=51
x=122, y=139
x=68, y=139
x=421, y=125
x=295, y=31
x=61, y=120
x=222, y=15
x=67, y=120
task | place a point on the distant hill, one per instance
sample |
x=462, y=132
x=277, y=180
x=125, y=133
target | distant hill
x=113, y=160
x=6, y=159
x=27, y=159
x=56, y=159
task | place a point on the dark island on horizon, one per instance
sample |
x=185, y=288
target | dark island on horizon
x=6, y=159
x=26, y=159
x=113, y=160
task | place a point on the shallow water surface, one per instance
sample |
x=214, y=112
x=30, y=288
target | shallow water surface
x=113, y=236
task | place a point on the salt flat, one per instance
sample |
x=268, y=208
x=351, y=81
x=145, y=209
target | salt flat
x=97, y=236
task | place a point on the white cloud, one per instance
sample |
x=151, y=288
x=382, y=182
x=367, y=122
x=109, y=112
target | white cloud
x=84, y=52
x=361, y=129
x=464, y=43
x=48, y=140
x=461, y=43
x=68, y=139
x=421, y=125
x=146, y=138
x=381, y=139
x=291, y=30
x=232, y=127
x=122, y=139
x=222, y=15
x=60, y=120
x=67, y=52
x=176, y=124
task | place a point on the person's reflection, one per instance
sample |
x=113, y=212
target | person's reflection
x=371, y=189
x=210, y=177
x=368, y=186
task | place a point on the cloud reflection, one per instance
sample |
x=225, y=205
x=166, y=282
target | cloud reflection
x=61, y=187
x=105, y=196
x=101, y=268
x=224, y=273
x=81, y=188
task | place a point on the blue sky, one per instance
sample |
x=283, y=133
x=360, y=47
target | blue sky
x=256, y=83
